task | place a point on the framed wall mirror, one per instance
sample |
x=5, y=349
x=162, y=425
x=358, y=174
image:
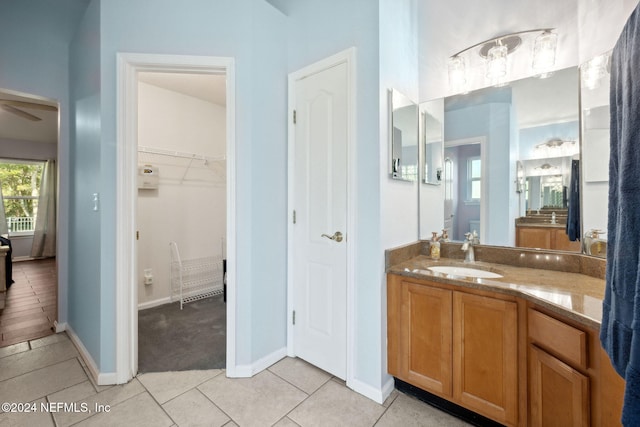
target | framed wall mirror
x=403, y=137
x=431, y=122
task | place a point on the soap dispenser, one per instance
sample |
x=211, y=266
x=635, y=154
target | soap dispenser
x=434, y=248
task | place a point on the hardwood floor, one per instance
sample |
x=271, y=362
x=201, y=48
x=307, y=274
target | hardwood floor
x=31, y=302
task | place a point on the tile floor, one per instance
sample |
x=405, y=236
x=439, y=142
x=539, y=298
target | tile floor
x=49, y=373
x=31, y=302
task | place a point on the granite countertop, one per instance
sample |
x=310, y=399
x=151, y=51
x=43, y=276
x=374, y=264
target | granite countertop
x=572, y=294
x=541, y=225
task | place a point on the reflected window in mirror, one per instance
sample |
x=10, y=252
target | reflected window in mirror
x=474, y=179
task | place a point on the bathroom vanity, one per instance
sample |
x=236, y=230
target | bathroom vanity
x=520, y=349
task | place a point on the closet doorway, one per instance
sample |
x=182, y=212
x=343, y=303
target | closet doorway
x=181, y=221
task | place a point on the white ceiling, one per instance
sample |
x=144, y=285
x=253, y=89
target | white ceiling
x=207, y=87
x=18, y=128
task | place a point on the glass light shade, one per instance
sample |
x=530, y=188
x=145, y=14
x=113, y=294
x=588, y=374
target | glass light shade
x=457, y=74
x=497, y=63
x=544, y=53
x=594, y=71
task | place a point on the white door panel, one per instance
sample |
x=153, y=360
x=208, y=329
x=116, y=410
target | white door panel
x=320, y=199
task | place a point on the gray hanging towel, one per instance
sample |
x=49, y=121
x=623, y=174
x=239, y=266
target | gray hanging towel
x=573, y=213
x=620, y=330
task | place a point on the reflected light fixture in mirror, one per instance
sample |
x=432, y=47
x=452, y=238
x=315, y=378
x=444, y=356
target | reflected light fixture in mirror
x=544, y=53
x=556, y=147
x=497, y=50
x=594, y=70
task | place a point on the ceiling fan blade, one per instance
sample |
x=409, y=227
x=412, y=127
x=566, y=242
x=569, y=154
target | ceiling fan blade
x=20, y=113
x=25, y=104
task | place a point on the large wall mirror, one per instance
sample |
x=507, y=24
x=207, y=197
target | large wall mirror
x=403, y=136
x=509, y=153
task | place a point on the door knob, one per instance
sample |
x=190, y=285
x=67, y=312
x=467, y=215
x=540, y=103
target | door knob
x=337, y=236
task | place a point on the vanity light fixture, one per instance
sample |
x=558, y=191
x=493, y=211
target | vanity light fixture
x=496, y=52
x=497, y=64
x=457, y=74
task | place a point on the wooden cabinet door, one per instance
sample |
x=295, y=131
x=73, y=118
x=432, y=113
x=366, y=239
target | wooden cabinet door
x=562, y=242
x=426, y=337
x=533, y=237
x=559, y=395
x=485, y=356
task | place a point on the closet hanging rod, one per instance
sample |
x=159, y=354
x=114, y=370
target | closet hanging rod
x=181, y=154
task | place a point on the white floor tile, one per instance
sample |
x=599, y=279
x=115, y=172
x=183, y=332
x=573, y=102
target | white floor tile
x=336, y=405
x=36, y=418
x=139, y=411
x=285, y=422
x=21, y=363
x=193, y=409
x=111, y=397
x=39, y=383
x=164, y=386
x=48, y=340
x=75, y=393
x=407, y=411
x=301, y=374
x=13, y=349
x=257, y=401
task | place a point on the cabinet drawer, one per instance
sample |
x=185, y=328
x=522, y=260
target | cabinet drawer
x=567, y=342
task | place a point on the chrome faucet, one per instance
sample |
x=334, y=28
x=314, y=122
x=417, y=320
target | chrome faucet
x=467, y=246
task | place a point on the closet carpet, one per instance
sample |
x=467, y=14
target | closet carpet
x=194, y=338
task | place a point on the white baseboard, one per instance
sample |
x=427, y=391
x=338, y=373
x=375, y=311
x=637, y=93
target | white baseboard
x=60, y=326
x=22, y=258
x=246, y=371
x=100, y=378
x=154, y=303
x=377, y=395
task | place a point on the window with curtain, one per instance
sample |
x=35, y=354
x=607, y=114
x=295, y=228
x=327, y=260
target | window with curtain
x=21, y=181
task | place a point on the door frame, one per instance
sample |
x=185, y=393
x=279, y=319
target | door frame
x=347, y=56
x=484, y=186
x=128, y=67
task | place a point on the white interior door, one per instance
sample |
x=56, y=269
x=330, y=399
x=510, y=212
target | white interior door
x=319, y=233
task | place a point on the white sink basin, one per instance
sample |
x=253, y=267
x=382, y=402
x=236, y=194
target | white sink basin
x=465, y=272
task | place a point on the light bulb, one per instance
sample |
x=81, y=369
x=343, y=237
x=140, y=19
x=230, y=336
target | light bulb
x=544, y=53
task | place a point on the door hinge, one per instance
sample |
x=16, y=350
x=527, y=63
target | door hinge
x=294, y=117
x=294, y=317
x=137, y=235
x=294, y=216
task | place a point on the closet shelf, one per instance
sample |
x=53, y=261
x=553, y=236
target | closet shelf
x=180, y=154
x=217, y=164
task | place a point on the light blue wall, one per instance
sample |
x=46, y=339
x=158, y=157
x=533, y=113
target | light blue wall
x=530, y=137
x=85, y=301
x=398, y=22
x=252, y=32
x=493, y=121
